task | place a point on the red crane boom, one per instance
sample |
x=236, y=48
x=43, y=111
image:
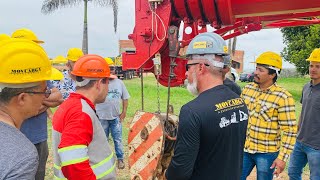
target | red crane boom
x=154, y=17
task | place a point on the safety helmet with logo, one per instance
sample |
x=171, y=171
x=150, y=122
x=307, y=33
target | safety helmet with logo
x=315, y=55
x=227, y=58
x=109, y=61
x=4, y=37
x=207, y=45
x=24, y=64
x=271, y=59
x=74, y=54
x=26, y=34
x=91, y=67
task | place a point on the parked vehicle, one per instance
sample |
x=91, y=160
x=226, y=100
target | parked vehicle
x=234, y=76
x=250, y=77
x=122, y=74
x=244, y=77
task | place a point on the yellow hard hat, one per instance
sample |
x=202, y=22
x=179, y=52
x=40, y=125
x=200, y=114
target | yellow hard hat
x=74, y=54
x=315, y=55
x=272, y=59
x=4, y=37
x=59, y=60
x=109, y=61
x=24, y=62
x=26, y=34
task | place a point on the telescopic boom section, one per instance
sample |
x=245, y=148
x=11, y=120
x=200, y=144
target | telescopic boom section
x=153, y=18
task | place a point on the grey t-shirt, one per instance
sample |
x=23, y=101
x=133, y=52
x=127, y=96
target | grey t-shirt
x=309, y=125
x=110, y=108
x=19, y=157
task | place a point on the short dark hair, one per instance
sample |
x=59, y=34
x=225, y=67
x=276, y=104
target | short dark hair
x=8, y=93
x=90, y=83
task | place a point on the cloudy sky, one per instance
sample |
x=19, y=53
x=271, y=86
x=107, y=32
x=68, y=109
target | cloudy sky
x=63, y=29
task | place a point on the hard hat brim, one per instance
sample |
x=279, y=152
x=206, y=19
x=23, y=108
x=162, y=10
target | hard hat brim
x=38, y=41
x=113, y=76
x=312, y=60
x=55, y=74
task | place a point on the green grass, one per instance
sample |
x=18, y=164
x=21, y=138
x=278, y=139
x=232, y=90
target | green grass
x=179, y=96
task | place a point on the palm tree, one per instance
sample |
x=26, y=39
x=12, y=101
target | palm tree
x=49, y=6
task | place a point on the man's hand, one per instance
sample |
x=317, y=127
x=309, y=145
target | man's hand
x=122, y=116
x=55, y=98
x=279, y=166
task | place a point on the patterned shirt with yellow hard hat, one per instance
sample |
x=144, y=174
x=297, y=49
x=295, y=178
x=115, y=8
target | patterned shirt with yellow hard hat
x=272, y=120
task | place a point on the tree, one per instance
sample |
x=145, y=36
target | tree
x=300, y=42
x=50, y=6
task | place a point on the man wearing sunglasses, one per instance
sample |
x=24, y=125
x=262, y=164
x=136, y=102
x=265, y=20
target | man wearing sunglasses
x=23, y=91
x=212, y=127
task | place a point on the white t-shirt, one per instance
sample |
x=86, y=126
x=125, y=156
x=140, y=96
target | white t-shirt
x=110, y=108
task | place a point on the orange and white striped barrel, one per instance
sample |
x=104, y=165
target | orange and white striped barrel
x=145, y=143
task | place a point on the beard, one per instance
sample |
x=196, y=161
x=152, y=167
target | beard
x=192, y=88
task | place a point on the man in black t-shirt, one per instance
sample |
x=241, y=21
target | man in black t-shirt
x=212, y=127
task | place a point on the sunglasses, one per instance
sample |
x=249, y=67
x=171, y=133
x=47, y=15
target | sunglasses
x=46, y=93
x=188, y=65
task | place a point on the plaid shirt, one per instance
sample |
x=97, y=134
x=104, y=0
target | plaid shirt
x=65, y=85
x=272, y=120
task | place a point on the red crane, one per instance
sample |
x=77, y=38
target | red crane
x=154, y=17
x=152, y=135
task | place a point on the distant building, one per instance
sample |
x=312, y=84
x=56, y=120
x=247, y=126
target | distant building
x=237, y=60
x=126, y=45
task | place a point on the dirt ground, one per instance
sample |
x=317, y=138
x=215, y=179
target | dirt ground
x=283, y=175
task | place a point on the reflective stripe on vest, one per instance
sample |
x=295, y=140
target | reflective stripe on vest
x=104, y=167
x=101, y=169
x=73, y=154
x=58, y=175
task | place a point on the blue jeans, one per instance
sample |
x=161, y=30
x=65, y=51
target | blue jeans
x=262, y=161
x=300, y=156
x=115, y=127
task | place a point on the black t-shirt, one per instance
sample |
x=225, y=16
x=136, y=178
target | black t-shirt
x=211, y=135
x=232, y=85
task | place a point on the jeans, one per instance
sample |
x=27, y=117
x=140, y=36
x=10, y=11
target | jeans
x=300, y=156
x=262, y=161
x=115, y=127
x=43, y=153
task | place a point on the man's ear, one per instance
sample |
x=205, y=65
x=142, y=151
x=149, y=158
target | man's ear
x=273, y=75
x=202, y=68
x=21, y=99
x=99, y=83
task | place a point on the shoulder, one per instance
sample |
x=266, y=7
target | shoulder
x=18, y=148
x=306, y=86
x=251, y=86
x=280, y=91
x=23, y=162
